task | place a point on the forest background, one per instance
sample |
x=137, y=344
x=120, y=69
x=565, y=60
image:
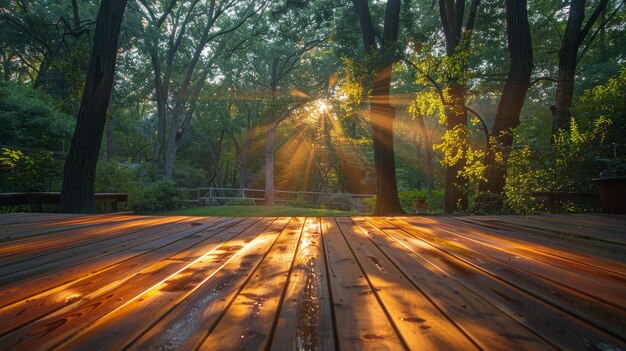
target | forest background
x=489, y=101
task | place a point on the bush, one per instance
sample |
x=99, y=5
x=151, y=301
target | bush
x=410, y=200
x=341, y=202
x=240, y=202
x=158, y=196
x=38, y=171
x=488, y=203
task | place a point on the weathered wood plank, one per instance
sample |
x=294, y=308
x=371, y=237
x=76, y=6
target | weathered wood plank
x=59, y=326
x=360, y=320
x=488, y=326
x=132, y=319
x=420, y=324
x=45, y=300
x=547, y=312
x=499, y=252
x=186, y=326
x=178, y=239
x=305, y=319
x=248, y=322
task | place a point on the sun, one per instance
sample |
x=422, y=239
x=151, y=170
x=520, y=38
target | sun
x=322, y=105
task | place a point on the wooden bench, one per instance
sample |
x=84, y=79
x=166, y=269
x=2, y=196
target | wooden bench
x=36, y=200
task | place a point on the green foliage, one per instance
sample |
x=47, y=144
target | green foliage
x=158, y=196
x=608, y=101
x=418, y=201
x=36, y=172
x=111, y=177
x=28, y=119
x=567, y=166
x=340, y=202
x=488, y=203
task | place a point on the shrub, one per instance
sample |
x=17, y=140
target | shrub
x=410, y=200
x=158, y=196
x=488, y=203
x=341, y=202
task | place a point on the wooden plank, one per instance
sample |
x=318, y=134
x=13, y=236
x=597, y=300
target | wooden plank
x=248, y=322
x=118, y=238
x=562, y=229
x=360, y=320
x=58, y=326
x=593, y=312
x=186, y=326
x=488, y=326
x=305, y=318
x=590, y=267
x=567, y=273
x=420, y=323
x=131, y=320
x=47, y=300
x=178, y=239
x=40, y=245
x=601, y=255
x=585, y=222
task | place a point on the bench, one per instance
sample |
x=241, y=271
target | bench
x=36, y=200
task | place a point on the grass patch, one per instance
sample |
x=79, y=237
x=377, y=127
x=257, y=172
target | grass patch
x=254, y=211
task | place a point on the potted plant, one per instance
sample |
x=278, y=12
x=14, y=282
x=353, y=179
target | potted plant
x=611, y=185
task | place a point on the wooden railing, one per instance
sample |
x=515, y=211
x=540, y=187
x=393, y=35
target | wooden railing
x=219, y=196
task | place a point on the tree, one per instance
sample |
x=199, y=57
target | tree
x=458, y=40
x=382, y=113
x=574, y=37
x=513, y=95
x=77, y=192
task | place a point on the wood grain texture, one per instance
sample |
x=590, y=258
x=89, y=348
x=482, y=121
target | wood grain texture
x=111, y=282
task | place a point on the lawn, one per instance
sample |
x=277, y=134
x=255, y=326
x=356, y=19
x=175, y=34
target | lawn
x=255, y=211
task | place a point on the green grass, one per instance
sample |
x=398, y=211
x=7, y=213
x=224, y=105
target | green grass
x=254, y=211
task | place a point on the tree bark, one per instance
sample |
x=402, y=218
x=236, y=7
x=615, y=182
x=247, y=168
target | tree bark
x=77, y=192
x=382, y=114
x=269, y=164
x=513, y=94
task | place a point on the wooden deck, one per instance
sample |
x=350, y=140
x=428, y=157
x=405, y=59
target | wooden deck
x=421, y=283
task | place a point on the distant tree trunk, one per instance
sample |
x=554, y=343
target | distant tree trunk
x=110, y=140
x=513, y=94
x=269, y=163
x=109, y=130
x=428, y=148
x=161, y=102
x=454, y=185
x=382, y=114
x=77, y=192
x=568, y=54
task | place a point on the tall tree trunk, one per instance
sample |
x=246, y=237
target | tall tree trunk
x=513, y=94
x=574, y=36
x=77, y=192
x=382, y=114
x=269, y=163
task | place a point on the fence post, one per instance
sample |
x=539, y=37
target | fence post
x=210, y=196
x=198, y=197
